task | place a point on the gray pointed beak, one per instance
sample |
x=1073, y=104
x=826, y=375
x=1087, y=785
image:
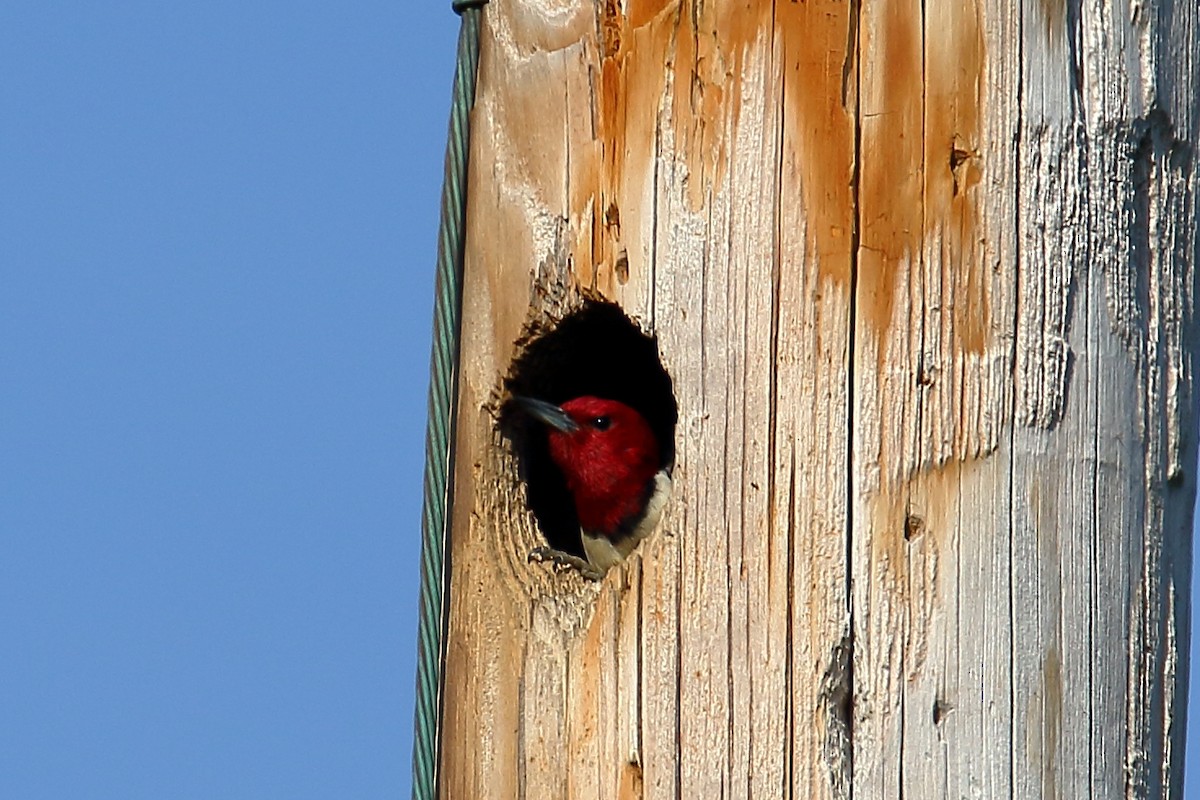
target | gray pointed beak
x=548, y=413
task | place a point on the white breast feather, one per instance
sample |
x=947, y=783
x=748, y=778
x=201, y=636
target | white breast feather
x=600, y=550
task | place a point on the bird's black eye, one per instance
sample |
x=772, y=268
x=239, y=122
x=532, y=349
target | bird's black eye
x=601, y=423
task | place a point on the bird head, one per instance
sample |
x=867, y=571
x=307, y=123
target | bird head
x=608, y=454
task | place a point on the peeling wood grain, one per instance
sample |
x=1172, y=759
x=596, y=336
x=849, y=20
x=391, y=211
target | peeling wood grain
x=663, y=131
x=922, y=274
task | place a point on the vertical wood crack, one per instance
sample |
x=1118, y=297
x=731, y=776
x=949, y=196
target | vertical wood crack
x=852, y=64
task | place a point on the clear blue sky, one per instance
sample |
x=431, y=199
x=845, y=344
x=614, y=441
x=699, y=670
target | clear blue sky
x=217, y=230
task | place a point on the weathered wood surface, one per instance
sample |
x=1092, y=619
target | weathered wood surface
x=922, y=273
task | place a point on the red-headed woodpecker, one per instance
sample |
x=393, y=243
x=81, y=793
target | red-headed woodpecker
x=609, y=456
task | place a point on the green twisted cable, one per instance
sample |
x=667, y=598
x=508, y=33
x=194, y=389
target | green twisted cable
x=447, y=320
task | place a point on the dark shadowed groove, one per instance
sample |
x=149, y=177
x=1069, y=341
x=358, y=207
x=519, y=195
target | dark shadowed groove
x=853, y=52
x=1012, y=399
x=789, y=739
x=1091, y=316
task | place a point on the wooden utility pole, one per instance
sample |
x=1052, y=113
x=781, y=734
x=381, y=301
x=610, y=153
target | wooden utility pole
x=922, y=275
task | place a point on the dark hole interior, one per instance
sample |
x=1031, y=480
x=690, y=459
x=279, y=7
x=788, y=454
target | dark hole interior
x=597, y=351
